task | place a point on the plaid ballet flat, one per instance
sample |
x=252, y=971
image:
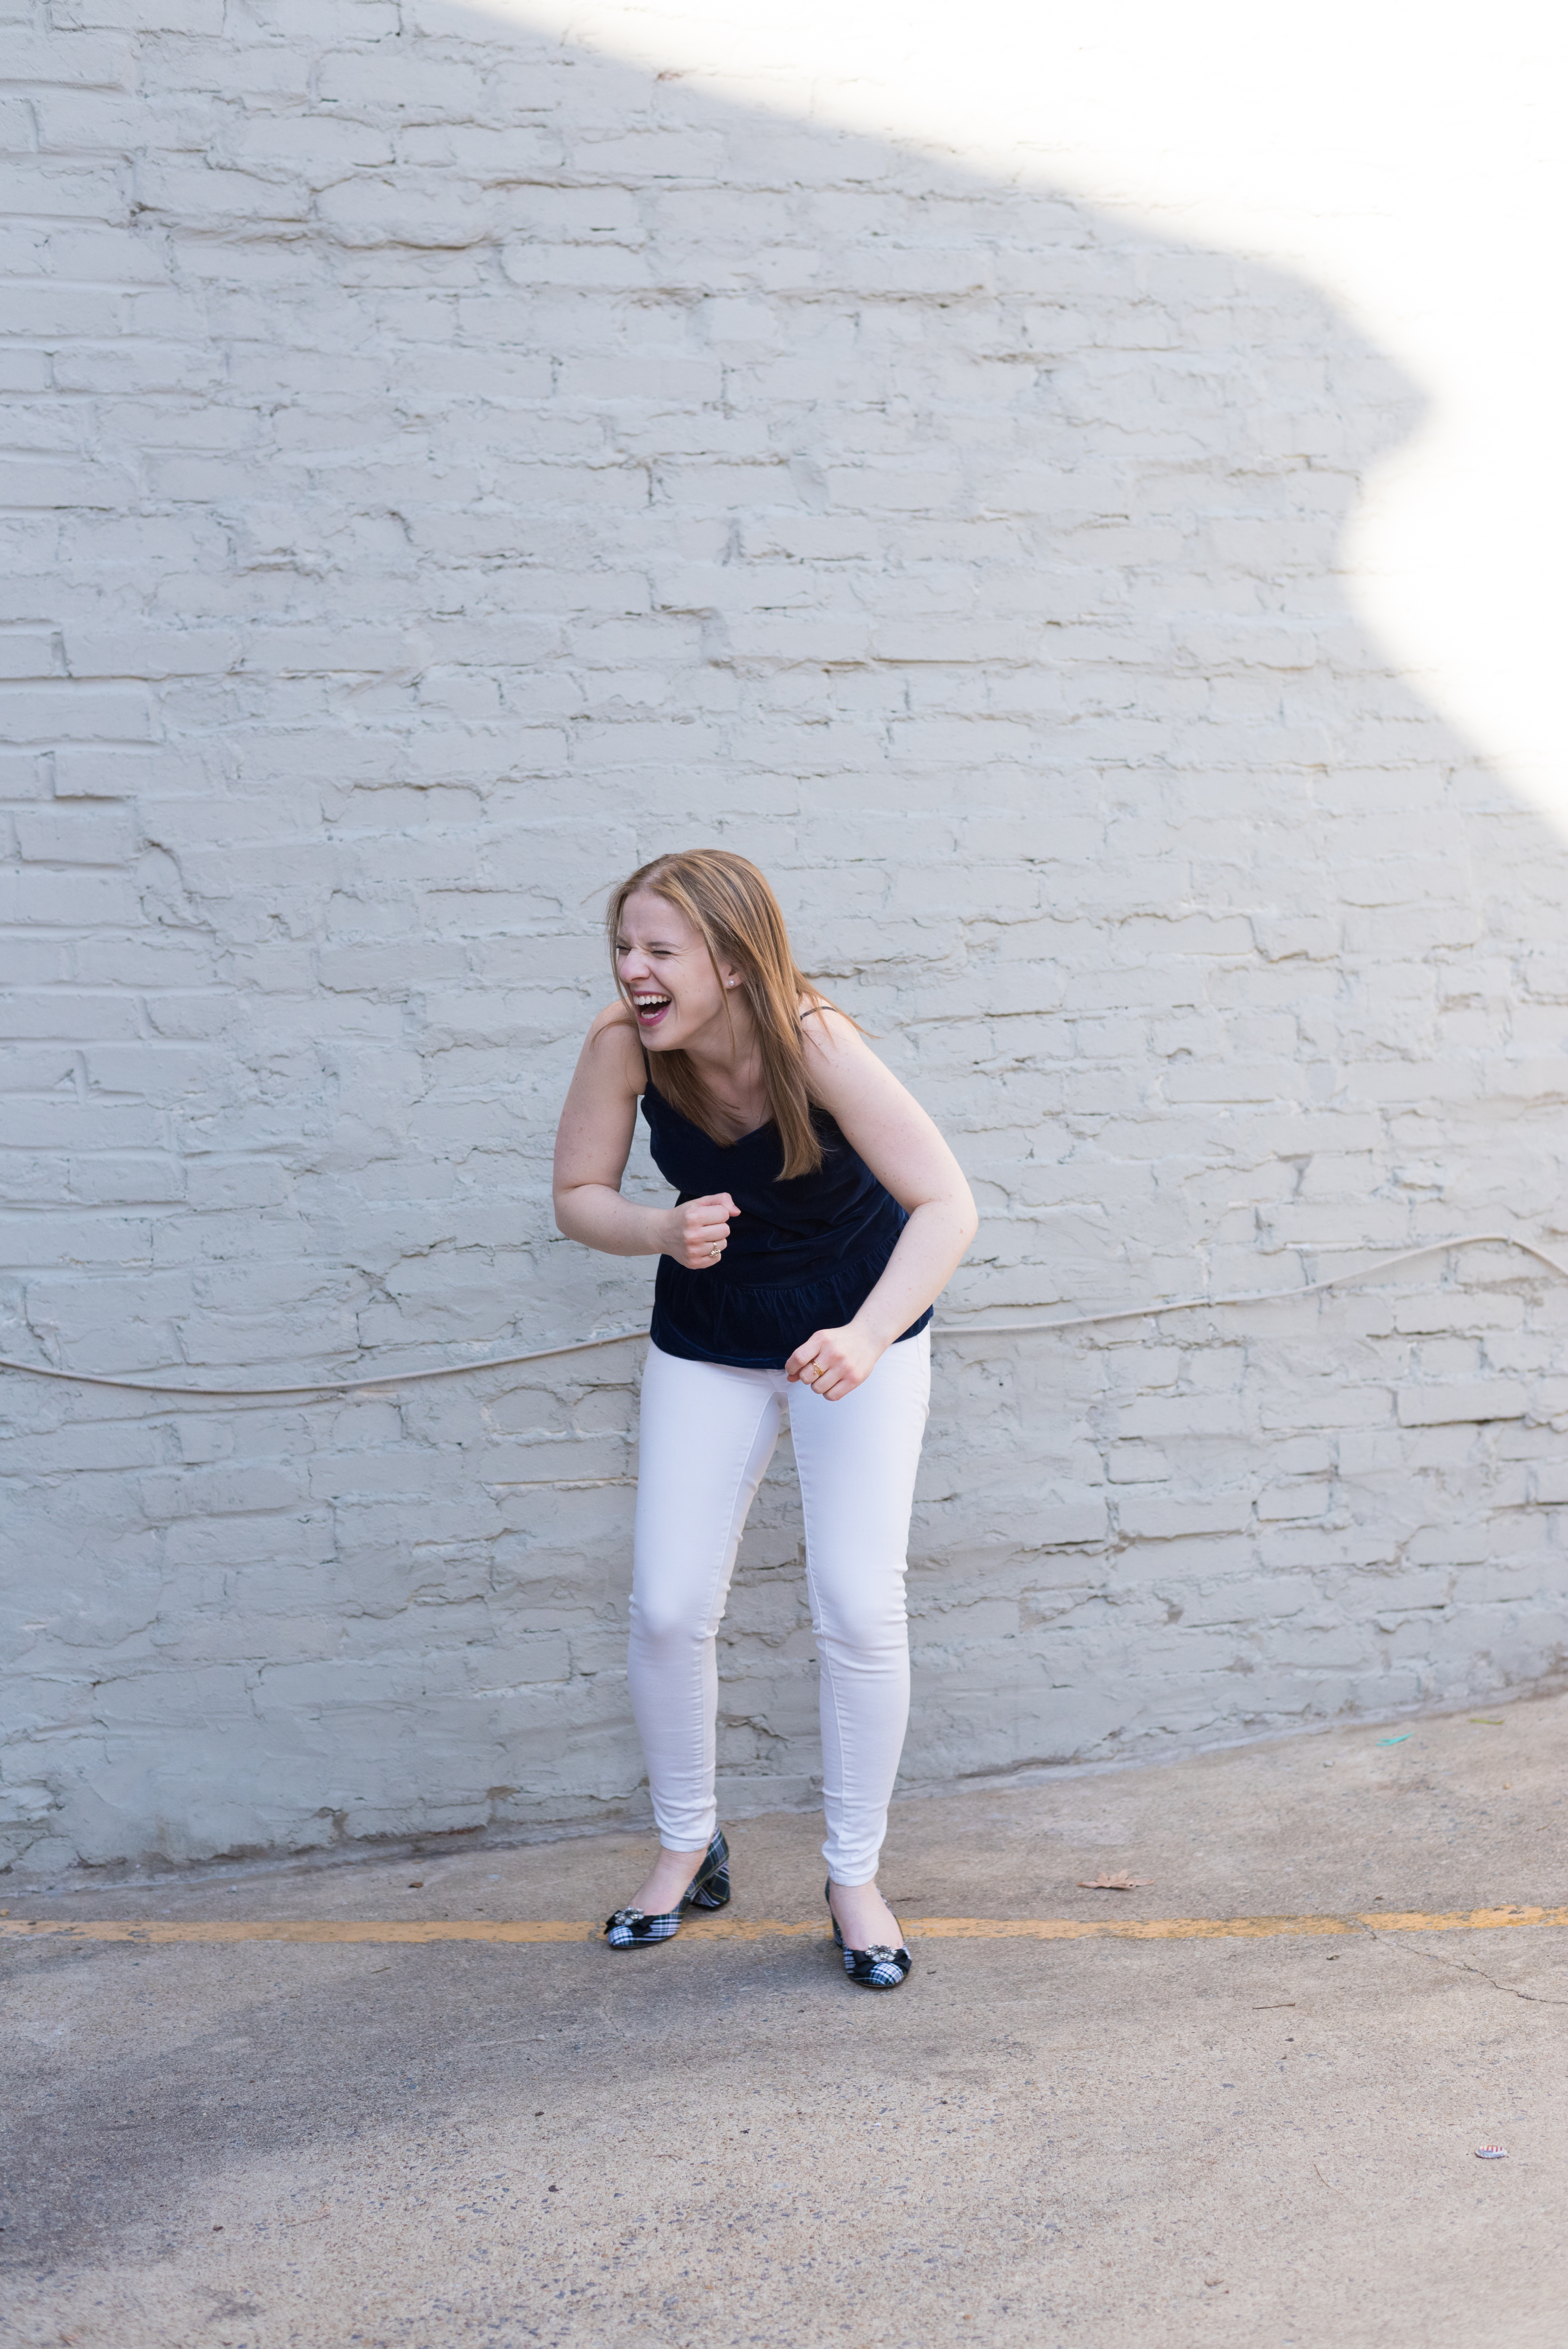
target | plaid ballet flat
x=875, y=1969
x=634, y=1929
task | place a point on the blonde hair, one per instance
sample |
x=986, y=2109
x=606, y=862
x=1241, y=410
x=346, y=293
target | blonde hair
x=738, y=917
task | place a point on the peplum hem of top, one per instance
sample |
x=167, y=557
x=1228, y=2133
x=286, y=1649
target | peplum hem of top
x=701, y=1316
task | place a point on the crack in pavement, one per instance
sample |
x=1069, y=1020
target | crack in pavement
x=1464, y=1966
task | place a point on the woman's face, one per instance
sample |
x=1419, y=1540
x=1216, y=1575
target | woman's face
x=665, y=968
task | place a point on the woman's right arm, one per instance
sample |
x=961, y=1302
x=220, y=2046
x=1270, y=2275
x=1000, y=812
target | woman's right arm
x=591, y=1146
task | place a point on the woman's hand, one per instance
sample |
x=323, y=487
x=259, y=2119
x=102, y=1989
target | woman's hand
x=698, y=1233
x=834, y=1362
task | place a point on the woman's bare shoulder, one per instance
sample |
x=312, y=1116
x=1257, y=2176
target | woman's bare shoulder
x=828, y=1033
x=612, y=1045
x=840, y=1063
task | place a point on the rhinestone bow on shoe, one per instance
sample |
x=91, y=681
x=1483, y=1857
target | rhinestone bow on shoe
x=634, y=1929
x=878, y=1968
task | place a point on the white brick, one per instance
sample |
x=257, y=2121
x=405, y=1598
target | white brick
x=28, y=653
x=1162, y=1518
x=69, y=57
x=1475, y=1399
x=60, y=836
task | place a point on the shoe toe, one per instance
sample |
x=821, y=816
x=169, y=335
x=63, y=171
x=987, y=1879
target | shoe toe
x=878, y=1968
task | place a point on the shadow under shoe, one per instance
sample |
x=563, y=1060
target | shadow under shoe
x=634, y=1929
x=874, y=1969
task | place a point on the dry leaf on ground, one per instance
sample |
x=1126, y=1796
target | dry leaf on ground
x=1111, y=1883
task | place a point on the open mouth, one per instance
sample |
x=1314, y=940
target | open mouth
x=650, y=1008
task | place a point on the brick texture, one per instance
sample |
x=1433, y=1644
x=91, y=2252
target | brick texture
x=442, y=468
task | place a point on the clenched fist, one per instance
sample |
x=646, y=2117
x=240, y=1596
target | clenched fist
x=698, y=1233
x=834, y=1362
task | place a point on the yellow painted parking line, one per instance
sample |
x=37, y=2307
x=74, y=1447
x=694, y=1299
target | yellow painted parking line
x=763, y=1928
x=296, y=1929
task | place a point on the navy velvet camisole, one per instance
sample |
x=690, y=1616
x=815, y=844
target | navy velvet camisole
x=802, y=1256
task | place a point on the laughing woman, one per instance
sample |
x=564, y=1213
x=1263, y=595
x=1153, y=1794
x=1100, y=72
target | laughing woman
x=819, y=1214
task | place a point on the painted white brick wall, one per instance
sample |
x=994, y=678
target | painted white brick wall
x=444, y=469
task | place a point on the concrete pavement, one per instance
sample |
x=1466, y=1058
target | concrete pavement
x=1072, y=2144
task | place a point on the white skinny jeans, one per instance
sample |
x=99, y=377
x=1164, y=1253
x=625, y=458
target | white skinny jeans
x=708, y=1435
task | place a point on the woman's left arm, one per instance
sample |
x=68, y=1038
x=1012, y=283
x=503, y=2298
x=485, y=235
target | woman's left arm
x=904, y=1151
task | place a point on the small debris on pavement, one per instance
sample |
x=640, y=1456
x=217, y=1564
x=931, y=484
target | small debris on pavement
x=1111, y=1883
x=1484, y=1720
x=1404, y=1733
x=1491, y=2153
